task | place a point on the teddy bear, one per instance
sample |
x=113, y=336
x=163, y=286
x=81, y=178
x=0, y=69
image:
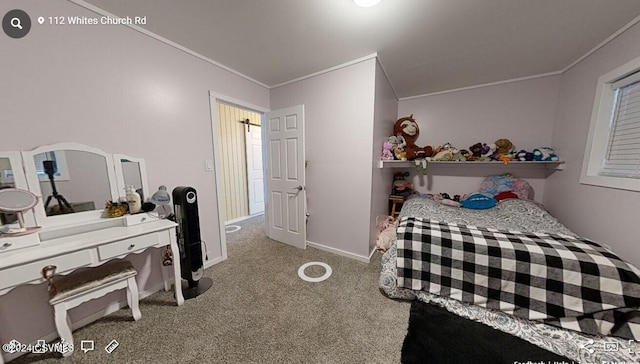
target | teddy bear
x=504, y=146
x=505, y=150
x=408, y=129
x=475, y=152
x=544, y=154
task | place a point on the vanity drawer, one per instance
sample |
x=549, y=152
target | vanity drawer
x=127, y=246
x=130, y=220
x=17, y=242
x=32, y=271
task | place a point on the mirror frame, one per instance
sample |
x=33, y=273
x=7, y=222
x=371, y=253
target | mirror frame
x=34, y=184
x=20, y=181
x=117, y=161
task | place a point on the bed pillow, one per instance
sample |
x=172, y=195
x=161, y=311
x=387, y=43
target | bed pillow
x=493, y=185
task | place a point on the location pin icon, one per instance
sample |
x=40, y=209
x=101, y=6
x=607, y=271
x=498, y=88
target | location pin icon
x=40, y=20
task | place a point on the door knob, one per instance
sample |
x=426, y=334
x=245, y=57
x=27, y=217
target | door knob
x=299, y=188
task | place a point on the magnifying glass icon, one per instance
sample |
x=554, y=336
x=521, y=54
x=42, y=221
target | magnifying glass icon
x=15, y=22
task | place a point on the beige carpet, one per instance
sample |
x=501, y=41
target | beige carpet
x=259, y=311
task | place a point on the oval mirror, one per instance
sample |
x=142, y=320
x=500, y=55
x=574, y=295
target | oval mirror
x=16, y=200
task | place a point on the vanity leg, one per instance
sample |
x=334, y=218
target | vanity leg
x=165, y=278
x=63, y=325
x=176, y=274
x=133, y=298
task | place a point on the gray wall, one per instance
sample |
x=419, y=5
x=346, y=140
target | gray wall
x=523, y=112
x=604, y=214
x=339, y=109
x=386, y=109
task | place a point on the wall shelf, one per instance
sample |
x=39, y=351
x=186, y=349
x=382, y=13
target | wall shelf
x=550, y=165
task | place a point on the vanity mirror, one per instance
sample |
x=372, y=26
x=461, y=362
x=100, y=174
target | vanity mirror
x=73, y=180
x=12, y=176
x=131, y=172
x=17, y=201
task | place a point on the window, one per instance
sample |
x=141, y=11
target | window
x=612, y=156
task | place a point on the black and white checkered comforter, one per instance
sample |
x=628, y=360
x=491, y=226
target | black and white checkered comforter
x=559, y=279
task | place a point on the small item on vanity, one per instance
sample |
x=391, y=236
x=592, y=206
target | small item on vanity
x=148, y=206
x=116, y=209
x=133, y=198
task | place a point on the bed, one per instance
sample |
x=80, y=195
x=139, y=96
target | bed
x=508, y=241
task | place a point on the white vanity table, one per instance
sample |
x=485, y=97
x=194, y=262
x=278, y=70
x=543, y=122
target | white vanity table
x=85, y=176
x=74, y=247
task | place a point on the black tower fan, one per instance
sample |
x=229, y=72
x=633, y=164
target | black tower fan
x=185, y=206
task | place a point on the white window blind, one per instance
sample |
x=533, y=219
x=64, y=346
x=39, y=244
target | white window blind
x=622, y=157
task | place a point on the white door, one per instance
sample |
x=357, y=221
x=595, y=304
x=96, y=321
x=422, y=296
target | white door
x=285, y=176
x=255, y=181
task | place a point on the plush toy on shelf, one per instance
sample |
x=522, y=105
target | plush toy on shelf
x=523, y=156
x=475, y=152
x=387, y=151
x=443, y=152
x=505, y=150
x=447, y=152
x=399, y=153
x=545, y=154
x=408, y=129
x=487, y=151
x=504, y=146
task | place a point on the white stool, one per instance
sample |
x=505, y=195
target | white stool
x=79, y=287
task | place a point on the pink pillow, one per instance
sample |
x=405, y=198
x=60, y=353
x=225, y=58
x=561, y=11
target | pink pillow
x=494, y=185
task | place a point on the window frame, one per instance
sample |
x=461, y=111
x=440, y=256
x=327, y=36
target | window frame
x=600, y=130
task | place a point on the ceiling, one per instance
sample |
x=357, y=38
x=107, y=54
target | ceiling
x=425, y=46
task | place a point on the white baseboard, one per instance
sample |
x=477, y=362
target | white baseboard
x=243, y=218
x=343, y=253
x=373, y=251
x=115, y=306
x=212, y=262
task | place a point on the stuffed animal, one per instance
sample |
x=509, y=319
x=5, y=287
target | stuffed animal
x=387, y=234
x=504, y=146
x=459, y=155
x=443, y=153
x=544, y=154
x=523, y=155
x=487, y=151
x=505, y=151
x=475, y=152
x=399, y=153
x=387, y=151
x=402, y=187
x=445, y=199
x=408, y=129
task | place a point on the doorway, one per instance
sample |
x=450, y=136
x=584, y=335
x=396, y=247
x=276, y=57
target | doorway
x=240, y=140
x=283, y=189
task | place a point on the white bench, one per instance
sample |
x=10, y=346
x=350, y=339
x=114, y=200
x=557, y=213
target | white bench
x=79, y=287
